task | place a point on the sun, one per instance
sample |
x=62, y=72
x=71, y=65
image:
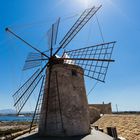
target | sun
x=87, y=3
x=84, y=3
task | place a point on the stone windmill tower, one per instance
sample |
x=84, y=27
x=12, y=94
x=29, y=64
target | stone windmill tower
x=62, y=107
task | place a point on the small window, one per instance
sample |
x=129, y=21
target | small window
x=74, y=73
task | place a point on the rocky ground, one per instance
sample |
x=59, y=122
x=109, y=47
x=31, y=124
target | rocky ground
x=6, y=128
x=128, y=126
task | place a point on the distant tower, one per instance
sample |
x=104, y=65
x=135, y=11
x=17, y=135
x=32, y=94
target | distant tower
x=65, y=109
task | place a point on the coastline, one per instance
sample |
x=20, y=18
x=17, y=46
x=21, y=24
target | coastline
x=15, y=118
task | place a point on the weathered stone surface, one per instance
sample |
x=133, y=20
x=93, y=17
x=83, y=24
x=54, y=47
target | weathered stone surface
x=103, y=108
x=65, y=109
x=94, y=114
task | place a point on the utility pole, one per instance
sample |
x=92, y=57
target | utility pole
x=117, y=108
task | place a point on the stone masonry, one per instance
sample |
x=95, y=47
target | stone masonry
x=64, y=110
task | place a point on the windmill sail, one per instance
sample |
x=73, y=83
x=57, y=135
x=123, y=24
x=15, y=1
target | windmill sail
x=79, y=24
x=34, y=48
x=33, y=60
x=94, y=59
x=25, y=91
x=52, y=33
x=49, y=37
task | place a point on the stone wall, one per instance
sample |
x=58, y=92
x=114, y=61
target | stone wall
x=102, y=108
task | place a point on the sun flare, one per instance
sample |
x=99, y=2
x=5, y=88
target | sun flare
x=88, y=3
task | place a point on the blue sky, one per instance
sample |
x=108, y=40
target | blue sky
x=120, y=22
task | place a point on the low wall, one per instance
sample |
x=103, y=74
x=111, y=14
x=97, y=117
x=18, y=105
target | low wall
x=102, y=108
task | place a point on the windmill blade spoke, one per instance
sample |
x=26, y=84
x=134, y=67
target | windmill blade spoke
x=25, y=91
x=52, y=35
x=99, y=51
x=10, y=31
x=93, y=59
x=86, y=59
x=36, y=114
x=79, y=24
x=33, y=60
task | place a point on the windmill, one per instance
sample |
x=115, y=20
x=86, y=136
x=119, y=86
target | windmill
x=62, y=107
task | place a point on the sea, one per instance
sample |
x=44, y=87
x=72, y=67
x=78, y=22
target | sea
x=15, y=118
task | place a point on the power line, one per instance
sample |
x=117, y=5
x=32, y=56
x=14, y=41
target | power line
x=99, y=26
x=92, y=88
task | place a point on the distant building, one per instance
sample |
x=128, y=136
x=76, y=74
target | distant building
x=103, y=108
x=96, y=110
